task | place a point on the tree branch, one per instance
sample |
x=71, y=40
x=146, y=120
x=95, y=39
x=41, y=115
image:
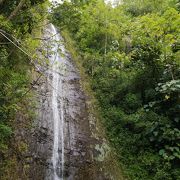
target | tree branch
x=16, y=10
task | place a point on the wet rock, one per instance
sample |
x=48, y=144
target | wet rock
x=79, y=143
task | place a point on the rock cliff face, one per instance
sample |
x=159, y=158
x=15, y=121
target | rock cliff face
x=64, y=143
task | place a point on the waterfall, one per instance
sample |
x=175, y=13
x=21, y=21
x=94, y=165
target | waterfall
x=66, y=143
x=57, y=106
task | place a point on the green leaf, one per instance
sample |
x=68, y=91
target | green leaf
x=162, y=152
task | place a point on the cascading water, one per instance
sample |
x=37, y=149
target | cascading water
x=66, y=143
x=58, y=112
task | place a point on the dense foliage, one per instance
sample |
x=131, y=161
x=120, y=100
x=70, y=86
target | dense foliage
x=17, y=20
x=131, y=52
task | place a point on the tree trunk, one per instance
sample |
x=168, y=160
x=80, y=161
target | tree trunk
x=16, y=10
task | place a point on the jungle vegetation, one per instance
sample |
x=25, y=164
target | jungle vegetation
x=18, y=44
x=130, y=53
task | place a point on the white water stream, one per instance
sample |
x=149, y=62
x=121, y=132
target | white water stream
x=57, y=106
